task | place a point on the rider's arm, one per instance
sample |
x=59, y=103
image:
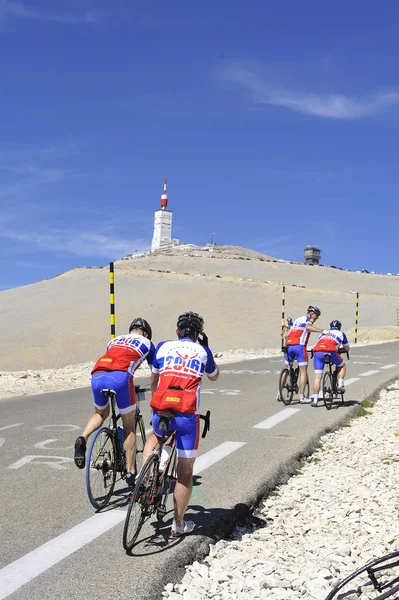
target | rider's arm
x=310, y=327
x=346, y=347
x=211, y=368
x=154, y=382
x=215, y=376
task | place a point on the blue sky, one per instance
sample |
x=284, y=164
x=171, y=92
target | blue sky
x=276, y=124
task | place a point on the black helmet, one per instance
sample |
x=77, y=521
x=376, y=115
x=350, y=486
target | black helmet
x=142, y=324
x=314, y=309
x=289, y=321
x=336, y=324
x=190, y=322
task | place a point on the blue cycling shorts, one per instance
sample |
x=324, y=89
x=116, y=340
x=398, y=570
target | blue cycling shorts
x=187, y=429
x=318, y=360
x=298, y=352
x=119, y=381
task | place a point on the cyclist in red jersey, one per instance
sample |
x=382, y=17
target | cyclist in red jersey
x=114, y=370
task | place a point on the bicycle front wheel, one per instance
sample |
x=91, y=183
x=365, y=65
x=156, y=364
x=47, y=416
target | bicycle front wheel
x=285, y=387
x=328, y=390
x=101, y=468
x=168, y=480
x=142, y=502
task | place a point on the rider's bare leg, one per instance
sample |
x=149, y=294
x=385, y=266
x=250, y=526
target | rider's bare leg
x=95, y=421
x=303, y=379
x=129, y=445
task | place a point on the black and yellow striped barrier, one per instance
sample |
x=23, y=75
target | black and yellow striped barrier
x=112, y=298
x=282, y=315
x=357, y=316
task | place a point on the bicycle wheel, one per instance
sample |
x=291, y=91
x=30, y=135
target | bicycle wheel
x=140, y=442
x=142, y=502
x=167, y=483
x=285, y=387
x=101, y=468
x=328, y=390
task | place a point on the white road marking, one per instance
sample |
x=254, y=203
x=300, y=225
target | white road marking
x=213, y=456
x=364, y=362
x=277, y=418
x=368, y=373
x=26, y=568
x=43, y=445
x=45, y=460
x=388, y=366
x=10, y=426
x=59, y=428
x=352, y=380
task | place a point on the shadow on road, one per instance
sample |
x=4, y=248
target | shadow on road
x=210, y=523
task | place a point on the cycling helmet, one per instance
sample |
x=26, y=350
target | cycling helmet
x=289, y=321
x=190, y=322
x=314, y=309
x=142, y=324
x=336, y=324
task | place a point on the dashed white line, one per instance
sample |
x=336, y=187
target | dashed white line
x=36, y=562
x=351, y=380
x=277, y=418
x=388, y=366
x=212, y=456
x=368, y=373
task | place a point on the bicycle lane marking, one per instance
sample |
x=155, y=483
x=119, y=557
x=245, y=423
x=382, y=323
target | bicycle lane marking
x=277, y=418
x=10, y=426
x=26, y=568
x=368, y=373
x=213, y=456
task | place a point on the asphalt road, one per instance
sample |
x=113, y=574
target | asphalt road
x=54, y=545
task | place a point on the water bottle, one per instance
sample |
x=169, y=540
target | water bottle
x=121, y=438
x=165, y=457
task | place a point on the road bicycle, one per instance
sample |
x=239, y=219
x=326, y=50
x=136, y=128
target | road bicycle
x=330, y=381
x=155, y=482
x=379, y=576
x=106, y=457
x=288, y=382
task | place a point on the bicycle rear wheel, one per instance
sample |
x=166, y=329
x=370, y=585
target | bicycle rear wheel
x=328, y=390
x=140, y=442
x=168, y=481
x=285, y=387
x=101, y=468
x=142, y=502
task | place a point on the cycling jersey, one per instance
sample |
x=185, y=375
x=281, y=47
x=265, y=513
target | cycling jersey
x=331, y=342
x=298, y=333
x=181, y=365
x=126, y=353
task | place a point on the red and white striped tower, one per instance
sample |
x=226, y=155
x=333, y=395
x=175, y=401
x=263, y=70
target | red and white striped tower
x=164, y=197
x=162, y=223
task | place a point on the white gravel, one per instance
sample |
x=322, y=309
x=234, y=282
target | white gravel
x=336, y=515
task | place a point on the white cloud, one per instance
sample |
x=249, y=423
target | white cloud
x=80, y=243
x=19, y=10
x=334, y=106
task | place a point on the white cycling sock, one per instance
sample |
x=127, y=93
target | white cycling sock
x=340, y=382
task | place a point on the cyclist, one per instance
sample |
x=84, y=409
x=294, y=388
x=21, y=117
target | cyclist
x=296, y=343
x=329, y=341
x=114, y=370
x=177, y=372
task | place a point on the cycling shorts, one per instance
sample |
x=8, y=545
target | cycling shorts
x=297, y=352
x=119, y=381
x=187, y=429
x=318, y=360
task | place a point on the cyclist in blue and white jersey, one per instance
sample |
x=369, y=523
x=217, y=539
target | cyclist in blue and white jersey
x=177, y=372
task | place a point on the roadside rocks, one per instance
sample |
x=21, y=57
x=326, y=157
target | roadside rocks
x=335, y=516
